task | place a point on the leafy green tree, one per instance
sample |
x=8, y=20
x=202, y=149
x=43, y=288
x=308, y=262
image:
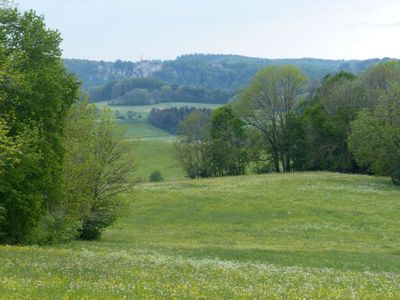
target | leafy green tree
x=195, y=126
x=227, y=144
x=379, y=77
x=97, y=165
x=193, y=157
x=267, y=104
x=326, y=123
x=212, y=147
x=35, y=94
x=18, y=151
x=375, y=136
x=192, y=147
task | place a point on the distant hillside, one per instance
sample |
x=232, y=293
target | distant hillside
x=93, y=73
x=209, y=71
x=233, y=71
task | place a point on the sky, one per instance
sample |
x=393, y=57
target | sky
x=164, y=29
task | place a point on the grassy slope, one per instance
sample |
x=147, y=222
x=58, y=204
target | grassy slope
x=153, y=150
x=153, y=146
x=141, y=129
x=309, y=219
x=153, y=155
x=314, y=235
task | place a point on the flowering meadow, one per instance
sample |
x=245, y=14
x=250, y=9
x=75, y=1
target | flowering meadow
x=293, y=236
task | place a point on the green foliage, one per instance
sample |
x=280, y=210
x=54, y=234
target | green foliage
x=327, y=123
x=375, y=136
x=219, y=72
x=97, y=73
x=233, y=72
x=327, y=120
x=227, y=143
x=35, y=94
x=192, y=149
x=96, y=168
x=135, y=97
x=296, y=145
x=379, y=77
x=195, y=126
x=259, y=161
x=147, y=91
x=267, y=105
x=212, y=146
x=169, y=119
x=312, y=134
x=156, y=176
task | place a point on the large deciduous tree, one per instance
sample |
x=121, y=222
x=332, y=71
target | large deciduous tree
x=267, y=105
x=375, y=136
x=228, y=143
x=96, y=171
x=192, y=147
x=327, y=122
x=35, y=94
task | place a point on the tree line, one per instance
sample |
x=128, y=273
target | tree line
x=169, y=119
x=347, y=123
x=62, y=162
x=212, y=145
x=146, y=91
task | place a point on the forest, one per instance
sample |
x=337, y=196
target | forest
x=147, y=91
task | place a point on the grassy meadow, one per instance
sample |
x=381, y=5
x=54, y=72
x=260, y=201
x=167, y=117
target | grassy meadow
x=141, y=129
x=152, y=146
x=156, y=155
x=275, y=236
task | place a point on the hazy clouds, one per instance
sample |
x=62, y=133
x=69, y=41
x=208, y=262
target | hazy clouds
x=100, y=29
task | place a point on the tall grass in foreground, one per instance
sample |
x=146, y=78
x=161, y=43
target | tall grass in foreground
x=44, y=273
x=275, y=236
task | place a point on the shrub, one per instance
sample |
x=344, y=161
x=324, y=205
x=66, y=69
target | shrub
x=156, y=177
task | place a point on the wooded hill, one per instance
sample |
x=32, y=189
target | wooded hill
x=207, y=71
x=147, y=91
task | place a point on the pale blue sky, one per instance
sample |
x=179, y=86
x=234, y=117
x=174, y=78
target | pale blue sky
x=164, y=29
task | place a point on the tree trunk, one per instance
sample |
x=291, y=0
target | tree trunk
x=275, y=160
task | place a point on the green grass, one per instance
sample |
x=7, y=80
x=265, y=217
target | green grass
x=285, y=236
x=156, y=155
x=141, y=129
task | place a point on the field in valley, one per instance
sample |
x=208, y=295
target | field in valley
x=156, y=155
x=291, y=236
x=153, y=147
